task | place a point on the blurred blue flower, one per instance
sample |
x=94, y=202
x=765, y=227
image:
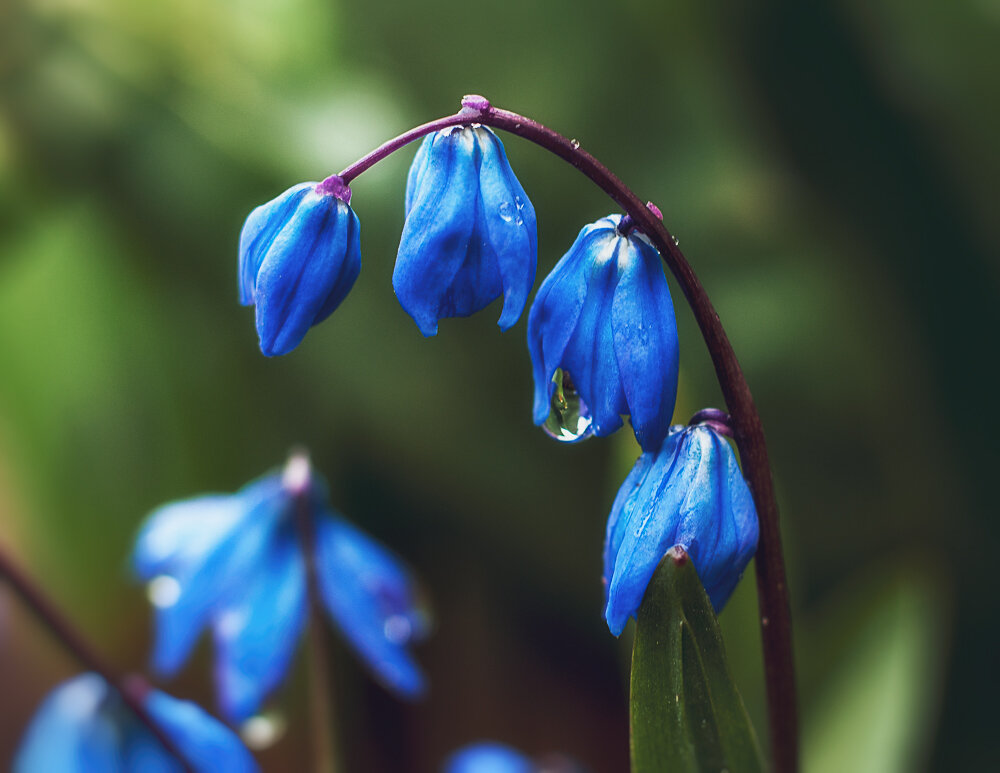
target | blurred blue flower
x=488, y=757
x=603, y=339
x=83, y=726
x=470, y=233
x=690, y=493
x=299, y=257
x=234, y=562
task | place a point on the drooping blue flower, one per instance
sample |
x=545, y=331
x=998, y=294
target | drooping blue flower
x=488, y=757
x=603, y=339
x=470, y=233
x=690, y=493
x=234, y=563
x=299, y=257
x=83, y=726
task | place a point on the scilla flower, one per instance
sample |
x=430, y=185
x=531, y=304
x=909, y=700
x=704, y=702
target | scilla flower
x=299, y=256
x=689, y=493
x=470, y=232
x=83, y=726
x=488, y=757
x=234, y=563
x=603, y=339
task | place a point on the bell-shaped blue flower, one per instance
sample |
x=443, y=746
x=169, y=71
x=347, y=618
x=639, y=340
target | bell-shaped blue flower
x=470, y=233
x=83, y=726
x=603, y=339
x=299, y=257
x=234, y=563
x=488, y=757
x=689, y=493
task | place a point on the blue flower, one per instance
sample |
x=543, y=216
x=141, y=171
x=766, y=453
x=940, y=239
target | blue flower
x=603, y=339
x=83, y=726
x=233, y=562
x=470, y=232
x=690, y=493
x=488, y=757
x=299, y=256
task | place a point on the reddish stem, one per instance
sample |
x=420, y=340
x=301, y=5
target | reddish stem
x=132, y=689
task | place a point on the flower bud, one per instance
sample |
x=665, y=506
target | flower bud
x=470, y=233
x=299, y=257
x=603, y=339
x=690, y=493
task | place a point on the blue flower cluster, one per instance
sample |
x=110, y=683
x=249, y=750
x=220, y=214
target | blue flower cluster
x=83, y=726
x=234, y=563
x=601, y=335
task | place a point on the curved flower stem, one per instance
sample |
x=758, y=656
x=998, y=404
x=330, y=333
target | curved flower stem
x=772, y=589
x=297, y=474
x=132, y=689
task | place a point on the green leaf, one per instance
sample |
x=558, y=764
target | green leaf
x=686, y=712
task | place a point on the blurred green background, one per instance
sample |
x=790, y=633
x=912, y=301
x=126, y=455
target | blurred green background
x=830, y=171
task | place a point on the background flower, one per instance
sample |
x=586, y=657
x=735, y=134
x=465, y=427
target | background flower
x=83, y=726
x=234, y=562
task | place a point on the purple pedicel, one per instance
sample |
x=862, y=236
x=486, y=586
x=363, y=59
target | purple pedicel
x=476, y=102
x=336, y=187
x=715, y=418
x=654, y=209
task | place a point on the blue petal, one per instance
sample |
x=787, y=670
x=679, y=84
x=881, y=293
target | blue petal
x=488, y=757
x=256, y=636
x=618, y=521
x=692, y=495
x=417, y=169
x=204, y=585
x=259, y=231
x=589, y=355
x=436, y=243
x=510, y=226
x=308, y=269
x=69, y=732
x=208, y=745
x=372, y=599
x=180, y=534
x=645, y=342
x=552, y=320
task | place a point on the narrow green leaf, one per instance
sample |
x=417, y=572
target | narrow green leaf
x=686, y=712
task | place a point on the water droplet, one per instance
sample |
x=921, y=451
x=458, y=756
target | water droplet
x=575, y=143
x=677, y=241
x=397, y=629
x=263, y=730
x=507, y=211
x=163, y=591
x=569, y=417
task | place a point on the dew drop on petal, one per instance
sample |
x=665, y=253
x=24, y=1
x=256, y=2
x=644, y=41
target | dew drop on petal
x=163, y=591
x=508, y=212
x=263, y=730
x=397, y=629
x=569, y=418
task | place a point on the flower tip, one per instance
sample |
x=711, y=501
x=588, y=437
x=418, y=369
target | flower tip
x=335, y=186
x=297, y=475
x=476, y=102
x=678, y=555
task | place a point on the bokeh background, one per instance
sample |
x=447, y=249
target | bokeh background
x=830, y=171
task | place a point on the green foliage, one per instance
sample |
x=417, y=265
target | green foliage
x=687, y=714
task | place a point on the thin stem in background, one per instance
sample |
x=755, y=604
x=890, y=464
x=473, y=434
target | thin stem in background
x=131, y=689
x=297, y=475
x=772, y=588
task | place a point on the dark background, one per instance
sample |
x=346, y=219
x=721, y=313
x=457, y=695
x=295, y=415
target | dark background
x=831, y=174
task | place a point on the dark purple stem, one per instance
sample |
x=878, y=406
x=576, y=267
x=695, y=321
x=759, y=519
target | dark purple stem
x=772, y=590
x=133, y=689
